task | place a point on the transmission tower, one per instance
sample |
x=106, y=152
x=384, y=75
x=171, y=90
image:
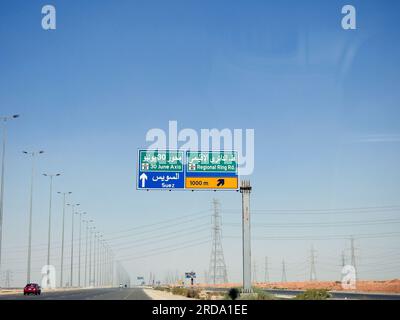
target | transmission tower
x=266, y=270
x=343, y=259
x=313, y=272
x=353, y=255
x=254, y=271
x=217, y=272
x=7, y=278
x=284, y=279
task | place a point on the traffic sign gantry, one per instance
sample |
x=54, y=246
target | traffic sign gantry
x=160, y=169
x=216, y=170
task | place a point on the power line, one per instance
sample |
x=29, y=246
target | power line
x=140, y=242
x=320, y=211
x=199, y=215
x=156, y=229
x=161, y=222
x=326, y=237
x=165, y=251
x=322, y=224
x=157, y=239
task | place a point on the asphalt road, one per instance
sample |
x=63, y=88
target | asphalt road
x=89, y=294
x=335, y=294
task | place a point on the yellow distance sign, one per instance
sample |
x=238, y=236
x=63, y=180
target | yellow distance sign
x=211, y=183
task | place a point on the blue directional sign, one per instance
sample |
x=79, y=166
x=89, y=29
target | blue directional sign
x=190, y=275
x=160, y=169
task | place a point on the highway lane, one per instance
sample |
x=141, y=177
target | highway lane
x=139, y=294
x=85, y=294
x=339, y=295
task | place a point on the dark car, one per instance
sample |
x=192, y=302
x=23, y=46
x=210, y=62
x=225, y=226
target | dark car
x=32, y=288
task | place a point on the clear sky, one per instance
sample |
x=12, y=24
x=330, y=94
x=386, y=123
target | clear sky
x=323, y=101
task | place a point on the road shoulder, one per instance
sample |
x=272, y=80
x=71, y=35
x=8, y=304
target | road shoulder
x=162, y=295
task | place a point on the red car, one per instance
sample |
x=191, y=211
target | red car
x=32, y=288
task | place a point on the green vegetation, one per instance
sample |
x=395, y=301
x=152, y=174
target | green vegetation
x=258, y=294
x=179, y=291
x=189, y=293
x=166, y=289
x=314, y=294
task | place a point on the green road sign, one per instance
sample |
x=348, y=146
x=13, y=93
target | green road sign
x=160, y=161
x=212, y=161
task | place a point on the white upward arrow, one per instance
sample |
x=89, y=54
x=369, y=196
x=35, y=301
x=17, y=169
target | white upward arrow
x=143, y=178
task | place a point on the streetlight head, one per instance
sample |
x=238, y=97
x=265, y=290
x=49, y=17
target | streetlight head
x=58, y=174
x=15, y=116
x=41, y=151
x=45, y=174
x=25, y=152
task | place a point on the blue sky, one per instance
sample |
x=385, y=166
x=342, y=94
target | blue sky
x=323, y=103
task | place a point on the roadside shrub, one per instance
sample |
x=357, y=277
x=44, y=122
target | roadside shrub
x=162, y=289
x=233, y=293
x=258, y=294
x=314, y=294
x=189, y=293
x=179, y=291
x=192, y=293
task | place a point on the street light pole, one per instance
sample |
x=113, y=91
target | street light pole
x=109, y=266
x=98, y=259
x=90, y=255
x=106, y=258
x=86, y=250
x=94, y=258
x=101, y=263
x=62, y=237
x=72, y=242
x=80, y=247
x=51, y=176
x=32, y=154
x=4, y=119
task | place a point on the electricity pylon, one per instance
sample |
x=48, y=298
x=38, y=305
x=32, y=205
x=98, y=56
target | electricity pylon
x=217, y=272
